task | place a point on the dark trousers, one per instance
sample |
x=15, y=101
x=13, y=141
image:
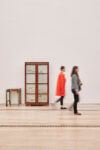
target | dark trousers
x=76, y=100
x=60, y=100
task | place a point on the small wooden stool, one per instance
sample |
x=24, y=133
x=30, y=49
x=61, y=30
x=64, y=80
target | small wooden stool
x=9, y=91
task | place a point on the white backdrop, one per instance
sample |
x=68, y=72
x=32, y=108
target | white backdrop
x=63, y=32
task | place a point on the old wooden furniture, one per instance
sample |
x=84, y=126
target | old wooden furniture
x=36, y=83
x=8, y=96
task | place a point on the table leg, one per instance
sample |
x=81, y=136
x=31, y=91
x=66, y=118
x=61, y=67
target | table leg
x=10, y=98
x=6, y=99
x=20, y=97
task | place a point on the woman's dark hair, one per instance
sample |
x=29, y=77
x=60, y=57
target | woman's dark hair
x=74, y=70
x=62, y=67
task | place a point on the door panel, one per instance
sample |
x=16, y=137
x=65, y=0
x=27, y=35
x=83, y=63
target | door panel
x=42, y=69
x=42, y=88
x=30, y=88
x=42, y=78
x=42, y=98
x=30, y=69
x=30, y=78
x=30, y=98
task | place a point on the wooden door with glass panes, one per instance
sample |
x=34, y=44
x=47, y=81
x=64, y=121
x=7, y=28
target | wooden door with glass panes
x=36, y=83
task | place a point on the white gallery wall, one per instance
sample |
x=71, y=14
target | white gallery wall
x=63, y=32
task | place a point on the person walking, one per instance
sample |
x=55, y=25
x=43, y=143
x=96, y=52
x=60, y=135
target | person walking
x=60, y=89
x=76, y=87
x=80, y=85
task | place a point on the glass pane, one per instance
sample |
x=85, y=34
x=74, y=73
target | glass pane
x=42, y=78
x=30, y=78
x=30, y=98
x=42, y=88
x=42, y=69
x=30, y=69
x=30, y=88
x=42, y=98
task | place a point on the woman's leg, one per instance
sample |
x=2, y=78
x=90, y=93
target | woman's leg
x=58, y=100
x=76, y=100
x=61, y=100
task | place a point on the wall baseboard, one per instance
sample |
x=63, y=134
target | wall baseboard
x=50, y=104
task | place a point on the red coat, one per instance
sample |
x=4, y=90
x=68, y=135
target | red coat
x=60, y=90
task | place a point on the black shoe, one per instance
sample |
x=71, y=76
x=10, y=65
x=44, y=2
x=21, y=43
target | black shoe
x=78, y=114
x=63, y=108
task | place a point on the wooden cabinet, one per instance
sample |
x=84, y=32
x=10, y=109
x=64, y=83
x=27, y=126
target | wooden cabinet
x=36, y=83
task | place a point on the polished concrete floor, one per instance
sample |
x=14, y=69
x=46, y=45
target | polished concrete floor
x=49, y=128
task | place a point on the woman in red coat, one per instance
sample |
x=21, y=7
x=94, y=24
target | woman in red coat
x=60, y=90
